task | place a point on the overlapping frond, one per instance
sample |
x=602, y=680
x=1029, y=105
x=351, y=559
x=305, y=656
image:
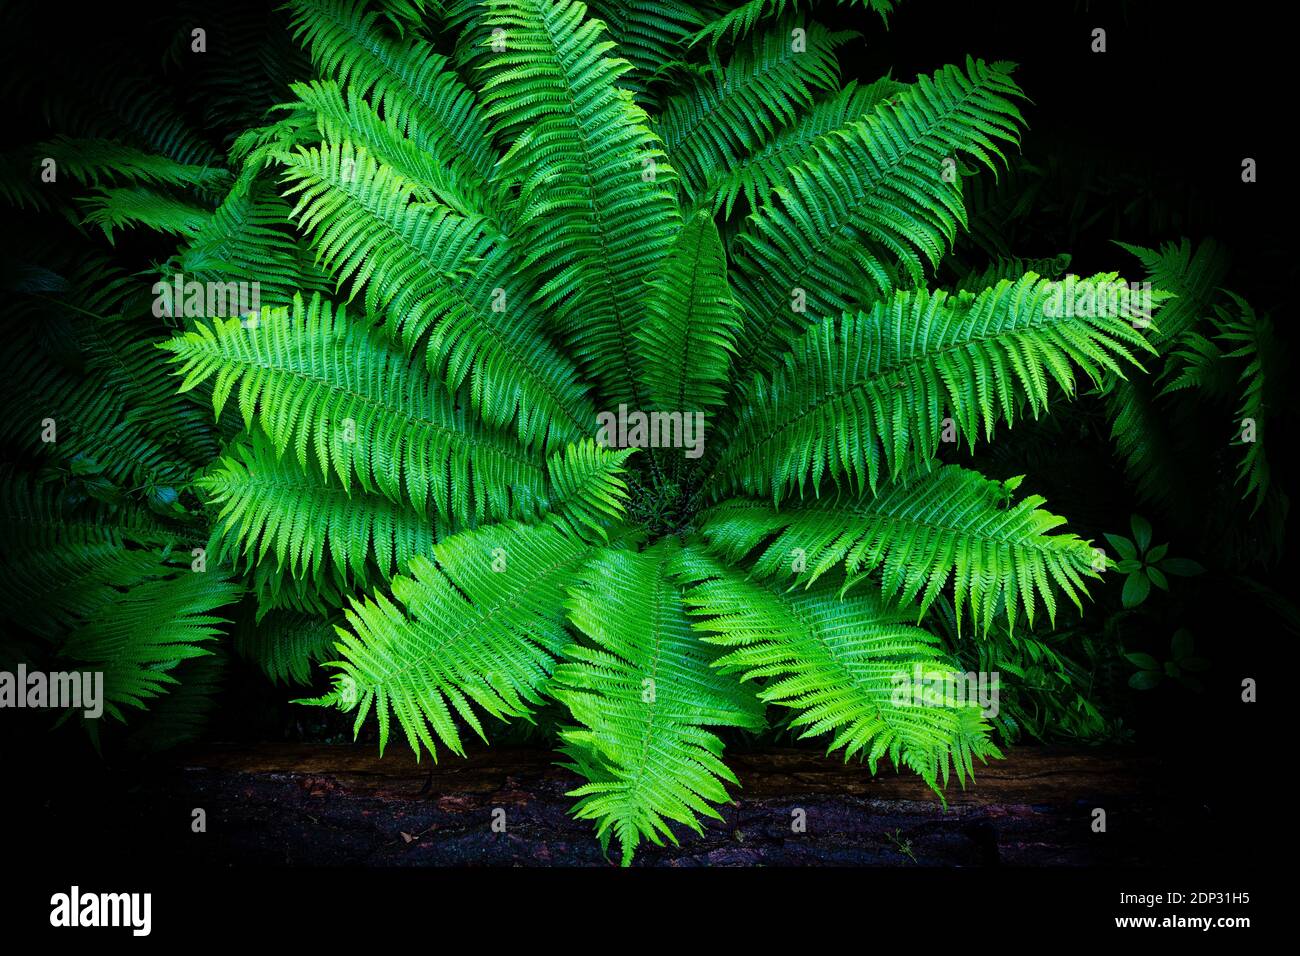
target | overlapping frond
x=687, y=338
x=285, y=644
x=758, y=173
x=725, y=115
x=952, y=525
x=870, y=396
x=88, y=380
x=588, y=492
x=643, y=693
x=96, y=162
x=887, y=190
x=650, y=34
x=249, y=234
x=145, y=631
x=342, y=115
x=1248, y=338
x=840, y=663
x=598, y=216
x=120, y=207
x=444, y=280
x=745, y=16
x=411, y=83
x=480, y=623
x=268, y=505
x=331, y=389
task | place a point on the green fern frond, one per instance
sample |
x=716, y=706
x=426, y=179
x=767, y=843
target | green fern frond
x=436, y=171
x=838, y=662
x=744, y=17
x=722, y=119
x=249, y=235
x=444, y=280
x=599, y=217
x=480, y=624
x=1191, y=276
x=336, y=392
x=183, y=712
x=1257, y=348
x=96, y=162
x=285, y=645
x=763, y=170
x=1140, y=423
x=119, y=208
x=687, y=338
x=410, y=83
x=650, y=34
x=269, y=505
x=144, y=632
x=589, y=492
x=869, y=396
x=885, y=191
x=643, y=692
x=950, y=525
x=84, y=104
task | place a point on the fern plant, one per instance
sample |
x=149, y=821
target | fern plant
x=481, y=236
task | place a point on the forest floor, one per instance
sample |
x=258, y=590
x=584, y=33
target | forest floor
x=318, y=804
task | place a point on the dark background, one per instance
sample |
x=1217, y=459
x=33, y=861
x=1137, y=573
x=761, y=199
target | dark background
x=1164, y=119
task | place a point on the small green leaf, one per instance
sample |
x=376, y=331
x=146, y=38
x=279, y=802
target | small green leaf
x=1128, y=566
x=1182, y=644
x=1144, y=661
x=1136, y=588
x=1158, y=552
x=1144, y=680
x=1181, y=567
x=1123, y=545
x=1141, y=531
x=1158, y=579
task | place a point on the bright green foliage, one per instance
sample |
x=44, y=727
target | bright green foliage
x=950, y=525
x=725, y=117
x=867, y=397
x=481, y=626
x=268, y=507
x=138, y=636
x=345, y=399
x=478, y=228
x=758, y=173
x=598, y=215
x=589, y=493
x=643, y=690
x=688, y=337
x=884, y=192
x=837, y=661
x=414, y=261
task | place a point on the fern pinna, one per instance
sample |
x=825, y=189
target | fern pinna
x=492, y=242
